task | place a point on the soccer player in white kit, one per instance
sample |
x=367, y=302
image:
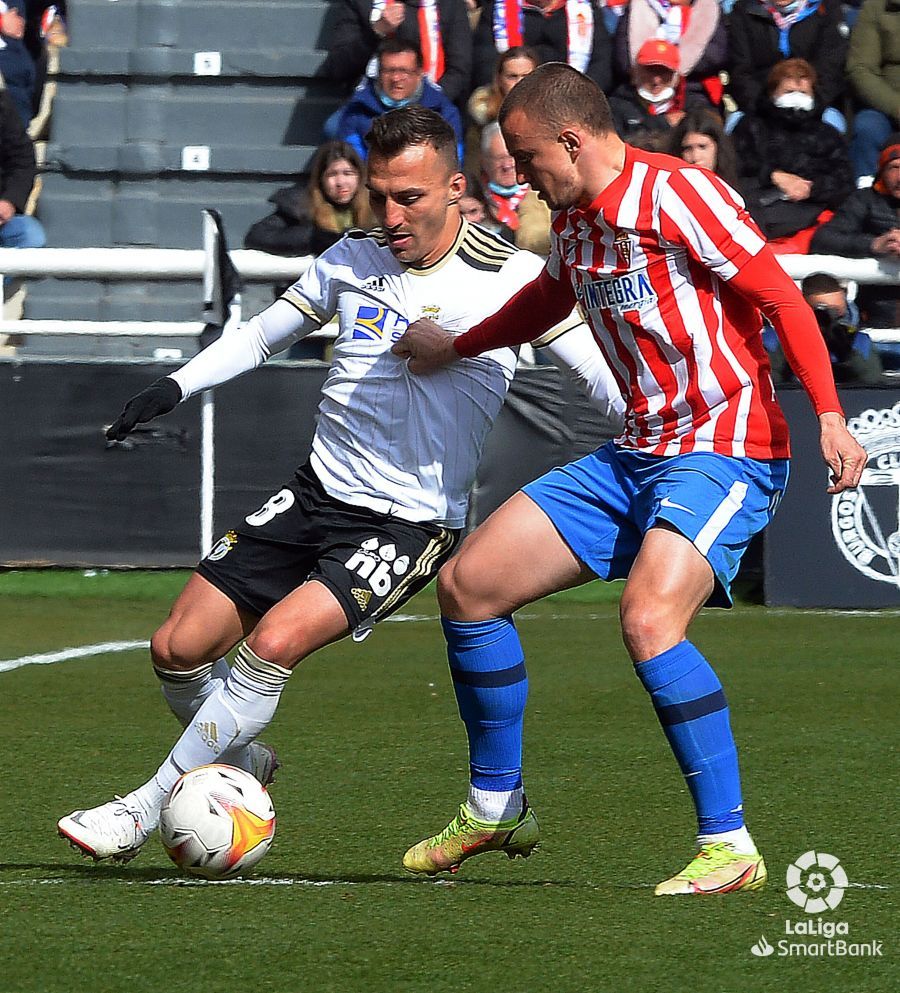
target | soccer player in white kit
x=672, y=275
x=378, y=508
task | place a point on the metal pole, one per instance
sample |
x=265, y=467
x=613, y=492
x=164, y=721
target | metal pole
x=208, y=404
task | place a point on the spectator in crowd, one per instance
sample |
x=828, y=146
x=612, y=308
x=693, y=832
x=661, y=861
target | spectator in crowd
x=853, y=358
x=867, y=225
x=654, y=100
x=484, y=103
x=792, y=166
x=400, y=82
x=873, y=69
x=473, y=208
x=512, y=205
x=695, y=27
x=763, y=32
x=17, y=172
x=569, y=31
x=310, y=217
x=700, y=140
x=45, y=30
x=439, y=29
x=16, y=65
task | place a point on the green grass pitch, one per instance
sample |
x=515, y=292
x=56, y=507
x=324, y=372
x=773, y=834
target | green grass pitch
x=374, y=759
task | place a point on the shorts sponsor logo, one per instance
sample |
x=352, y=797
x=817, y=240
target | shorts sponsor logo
x=223, y=546
x=866, y=522
x=379, y=565
x=378, y=324
x=815, y=882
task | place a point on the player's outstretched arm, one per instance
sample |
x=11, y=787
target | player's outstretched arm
x=158, y=398
x=845, y=456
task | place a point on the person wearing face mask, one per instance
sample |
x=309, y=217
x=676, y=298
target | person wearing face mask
x=655, y=99
x=764, y=32
x=695, y=27
x=400, y=82
x=517, y=213
x=793, y=168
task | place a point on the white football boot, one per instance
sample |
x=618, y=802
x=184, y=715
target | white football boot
x=111, y=831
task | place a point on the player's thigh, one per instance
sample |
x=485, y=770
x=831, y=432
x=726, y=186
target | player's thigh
x=203, y=625
x=303, y=622
x=515, y=557
x=668, y=584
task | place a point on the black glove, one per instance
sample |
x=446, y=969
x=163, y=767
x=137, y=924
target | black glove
x=159, y=398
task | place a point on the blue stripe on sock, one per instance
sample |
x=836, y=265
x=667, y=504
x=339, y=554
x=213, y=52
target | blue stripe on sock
x=678, y=713
x=491, y=685
x=693, y=711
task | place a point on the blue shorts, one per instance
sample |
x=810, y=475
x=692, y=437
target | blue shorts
x=604, y=504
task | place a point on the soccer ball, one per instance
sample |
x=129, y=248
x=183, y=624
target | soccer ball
x=217, y=822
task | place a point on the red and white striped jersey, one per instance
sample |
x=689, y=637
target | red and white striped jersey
x=650, y=262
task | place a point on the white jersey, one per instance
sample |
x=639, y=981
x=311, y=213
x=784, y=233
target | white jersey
x=386, y=439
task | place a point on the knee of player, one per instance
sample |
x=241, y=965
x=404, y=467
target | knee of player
x=274, y=644
x=647, y=627
x=169, y=650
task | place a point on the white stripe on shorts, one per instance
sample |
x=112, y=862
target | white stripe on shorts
x=720, y=517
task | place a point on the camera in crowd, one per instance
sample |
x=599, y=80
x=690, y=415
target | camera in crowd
x=837, y=330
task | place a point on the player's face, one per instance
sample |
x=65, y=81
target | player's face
x=542, y=160
x=414, y=197
x=340, y=181
x=699, y=149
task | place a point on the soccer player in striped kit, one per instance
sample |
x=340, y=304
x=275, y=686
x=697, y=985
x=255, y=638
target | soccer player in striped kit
x=672, y=274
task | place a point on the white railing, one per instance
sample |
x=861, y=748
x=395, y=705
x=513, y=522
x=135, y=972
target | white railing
x=191, y=264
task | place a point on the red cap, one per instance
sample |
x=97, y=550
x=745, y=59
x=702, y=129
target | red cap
x=656, y=52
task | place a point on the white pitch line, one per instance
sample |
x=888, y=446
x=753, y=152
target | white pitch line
x=67, y=654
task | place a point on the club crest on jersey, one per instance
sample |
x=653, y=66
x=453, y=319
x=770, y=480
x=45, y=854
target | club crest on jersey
x=622, y=245
x=378, y=324
x=628, y=291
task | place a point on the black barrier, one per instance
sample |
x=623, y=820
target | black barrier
x=70, y=499
x=844, y=551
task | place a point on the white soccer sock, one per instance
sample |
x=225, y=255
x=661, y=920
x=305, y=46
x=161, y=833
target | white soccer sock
x=230, y=718
x=739, y=838
x=492, y=806
x=185, y=692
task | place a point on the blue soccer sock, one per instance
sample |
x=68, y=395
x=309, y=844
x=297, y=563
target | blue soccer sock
x=487, y=665
x=693, y=712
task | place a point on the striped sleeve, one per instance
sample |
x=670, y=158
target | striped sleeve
x=705, y=215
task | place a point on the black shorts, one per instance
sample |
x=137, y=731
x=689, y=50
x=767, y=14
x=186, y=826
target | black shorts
x=373, y=563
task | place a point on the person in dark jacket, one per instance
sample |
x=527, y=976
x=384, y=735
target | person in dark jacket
x=867, y=225
x=559, y=31
x=310, y=217
x=17, y=171
x=439, y=29
x=763, y=32
x=654, y=101
x=700, y=140
x=695, y=27
x=400, y=82
x=16, y=65
x=791, y=165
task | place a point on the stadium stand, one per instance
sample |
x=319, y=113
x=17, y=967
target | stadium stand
x=163, y=108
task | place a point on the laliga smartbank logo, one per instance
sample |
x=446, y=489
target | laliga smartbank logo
x=816, y=882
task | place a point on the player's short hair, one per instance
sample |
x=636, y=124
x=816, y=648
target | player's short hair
x=820, y=282
x=397, y=46
x=397, y=130
x=559, y=95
